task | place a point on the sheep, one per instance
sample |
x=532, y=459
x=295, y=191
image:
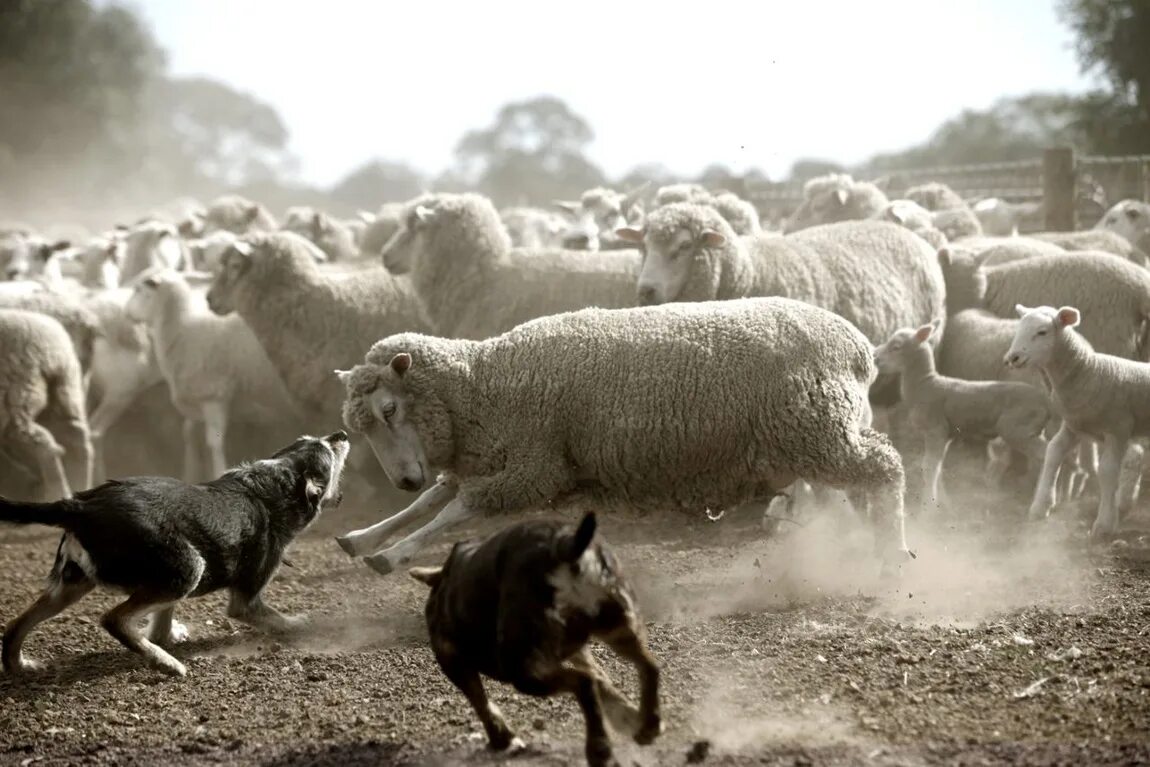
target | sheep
x=81, y=324
x=357, y=225
x=150, y=245
x=942, y=408
x=24, y=255
x=328, y=234
x=874, y=273
x=835, y=197
x=212, y=365
x=1000, y=218
x=100, y=260
x=912, y=216
x=596, y=216
x=41, y=377
x=307, y=322
x=521, y=606
x=935, y=196
x=694, y=406
x=1131, y=220
x=1099, y=396
x=237, y=214
x=1093, y=239
x=381, y=229
x=475, y=285
x=740, y=214
x=533, y=228
x=672, y=193
x=205, y=253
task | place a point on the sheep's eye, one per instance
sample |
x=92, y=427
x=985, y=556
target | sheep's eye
x=1042, y=332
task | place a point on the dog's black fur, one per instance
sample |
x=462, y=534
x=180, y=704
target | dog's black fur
x=160, y=540
x=521, y=606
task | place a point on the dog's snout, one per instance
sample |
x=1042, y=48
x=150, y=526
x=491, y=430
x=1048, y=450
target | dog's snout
x=409, y=484
x=339, y=436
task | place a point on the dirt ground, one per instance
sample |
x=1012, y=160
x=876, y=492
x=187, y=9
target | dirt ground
x=1001, y=643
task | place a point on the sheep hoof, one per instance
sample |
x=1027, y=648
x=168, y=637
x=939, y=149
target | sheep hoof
x=652, y=729
x=380, y=563
x=346, y=544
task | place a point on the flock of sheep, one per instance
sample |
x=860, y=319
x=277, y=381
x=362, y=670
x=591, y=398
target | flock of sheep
x=667, y=351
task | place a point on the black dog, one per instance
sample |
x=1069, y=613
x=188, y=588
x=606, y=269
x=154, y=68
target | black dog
x=520, y=607
x=160, y=540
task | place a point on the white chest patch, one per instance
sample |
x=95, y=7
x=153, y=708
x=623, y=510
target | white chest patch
x=76, y=554
x=584, y=590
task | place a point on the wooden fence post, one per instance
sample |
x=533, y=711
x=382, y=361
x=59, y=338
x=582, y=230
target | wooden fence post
x=1146, y=182
x=1059, y=189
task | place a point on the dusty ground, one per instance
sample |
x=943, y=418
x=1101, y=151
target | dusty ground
x=1000, y=644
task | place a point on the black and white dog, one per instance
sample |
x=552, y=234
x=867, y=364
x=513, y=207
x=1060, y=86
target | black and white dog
x=520, y=607
x=161, y=540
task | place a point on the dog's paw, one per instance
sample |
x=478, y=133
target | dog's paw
x=23, y=665
x=380, y=563
x=170, y=666
x=179, y=633
x=650, y=730
x=346, y=544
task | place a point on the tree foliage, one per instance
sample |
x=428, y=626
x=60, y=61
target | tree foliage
x=375, y=182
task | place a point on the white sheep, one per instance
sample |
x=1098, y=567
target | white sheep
x=328, y=234
x=949, y=212
x=836, y=197
x=1100, y=240
x=740, y=214
x=941, y=408
x=151, y=245
x=597, y=214
x=100, y=259
x=309, y=322
x=381, y=229
x=1099, y=396
x=688, y=406
x=26, y=256
x=910, y=215
x=41, y=376
x=213, y=365
x=533, y=227
x=205, y=253
x=1131, y=220
x=237, y=214
x=475, y=285
x=1000, y=218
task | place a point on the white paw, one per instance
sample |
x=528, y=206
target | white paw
x=517, y=745
x=179, y=633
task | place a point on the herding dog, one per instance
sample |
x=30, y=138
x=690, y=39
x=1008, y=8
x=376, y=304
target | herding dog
x=520, y=607
x=160, y=541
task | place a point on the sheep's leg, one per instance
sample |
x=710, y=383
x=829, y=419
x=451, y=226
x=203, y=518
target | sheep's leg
x=932, y=460
x=499, y=735
x=1109, y=466
x=997, y=461
x=38, y=441
x=191, y=450
x=1088, y=461
x=1134, y=464
x=1056, y=451
x=401, y=552
x=119, y=623
x=77, y=443
x=215, y=434
x=370, y=539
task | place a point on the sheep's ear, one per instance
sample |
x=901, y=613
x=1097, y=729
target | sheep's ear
x=252, y=213
x=342, y=375
x=1133, y=213
x=1021, y=310
x=841, y=196
x=629, y=234
x=567, y=205
x=59, y=245
x=944, y=257
x=923, y=333
x=400, y=363
x=712, y=239
x=423, y=213
x=1068, y=317
x=896, y=215
x=243, y=248
x=936, y=323
x=429, y=576
x=365, y=216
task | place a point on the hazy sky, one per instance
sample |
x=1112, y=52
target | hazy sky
x=739, y=83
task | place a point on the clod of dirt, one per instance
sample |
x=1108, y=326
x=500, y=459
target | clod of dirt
x=698, y=751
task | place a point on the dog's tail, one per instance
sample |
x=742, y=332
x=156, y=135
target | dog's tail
x=581, y=539
x=56, y=513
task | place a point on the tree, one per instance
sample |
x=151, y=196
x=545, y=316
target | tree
x=376, y=182
x=533, y=153
x=806, y=168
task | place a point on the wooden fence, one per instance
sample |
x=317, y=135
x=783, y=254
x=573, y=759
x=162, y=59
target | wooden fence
x=1073, y=190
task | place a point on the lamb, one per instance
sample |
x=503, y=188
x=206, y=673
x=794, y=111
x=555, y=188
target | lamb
x=237, y=214
x=328, y=234
x=475, y=285
x=211, y=364
x=521, y=606
x=151, y=245
x=941, y=408
x=81, y=324
x=874, y=273
x=596, y=216
x=381, y=229
x=307, y=322
x=24, y=255
x=100, y=260
x=740, y=214
x=533, y=228
x=41, y=377
x=672, y=193
x=1131, y=220
x=205, y=253
x=1000, y=218
x=1093, y=239
x=1099, y=396
x=935, y=196
x=912, y=216
x=687, y=405
x=836, y=197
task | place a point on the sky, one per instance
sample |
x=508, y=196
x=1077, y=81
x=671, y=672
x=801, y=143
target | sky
x=745, y=84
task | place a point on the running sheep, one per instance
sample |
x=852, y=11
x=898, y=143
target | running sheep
x=942, y=409
x=1099, y=396
x=689, y=406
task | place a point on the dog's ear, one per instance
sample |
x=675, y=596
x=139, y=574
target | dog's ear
x=427, y=575
x=311, y=493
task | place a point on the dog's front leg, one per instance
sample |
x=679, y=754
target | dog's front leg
x=253, y=611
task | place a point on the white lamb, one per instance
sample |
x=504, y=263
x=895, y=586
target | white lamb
x=941, y=408
x=836, y=197
x=688, y=406
x=212, y=364
x=1131, y=220
x=1099, y=396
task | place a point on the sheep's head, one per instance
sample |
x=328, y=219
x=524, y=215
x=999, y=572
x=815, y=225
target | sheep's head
x=904, y=345
x=682, y=245
x=835, y=197
x=672, y=193
x=598, y=214
x=1130, y=219
x=26, y=256
x=101, y=259
x=234, y=267
x=935, y=196
x=467, y=226
x=379, y=405
x=1037, y=332
x=143, y=304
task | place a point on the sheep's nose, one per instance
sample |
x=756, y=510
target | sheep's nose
x=1011, y=359
x=13, y=273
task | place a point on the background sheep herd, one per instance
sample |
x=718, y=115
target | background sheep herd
x=182, y=344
